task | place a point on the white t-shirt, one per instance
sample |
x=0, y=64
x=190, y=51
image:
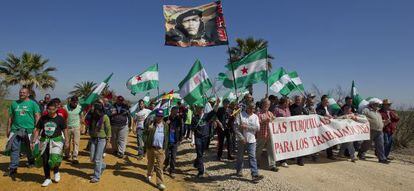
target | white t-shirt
x=253, y=126
x=140, y=117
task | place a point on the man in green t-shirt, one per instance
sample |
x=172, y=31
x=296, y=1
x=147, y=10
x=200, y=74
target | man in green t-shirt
x=75, y=117
x=23, y=115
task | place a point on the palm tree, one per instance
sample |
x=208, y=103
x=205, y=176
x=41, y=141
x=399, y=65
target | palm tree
x=83, y=89
x=245, y=47
x=29, y=71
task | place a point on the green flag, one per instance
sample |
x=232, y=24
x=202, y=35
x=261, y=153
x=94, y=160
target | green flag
x=249, y=70
x=146, y=99
x=145, y=81
x=98, y=90
x=356, y=98
x=333, y=105
x=279, y=82
x=195, y=84
x=296, y=82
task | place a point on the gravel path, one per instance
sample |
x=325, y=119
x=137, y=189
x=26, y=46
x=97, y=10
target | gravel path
x=322, y=175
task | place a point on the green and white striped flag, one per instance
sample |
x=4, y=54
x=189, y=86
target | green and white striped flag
x=98, y=90
x=146, y=99
x=296, y=82
x=279, y=82
x=145, y=81
x=333, y=106
x=249, y=70
x=195, y=84
x=231, y=96
x=364, y=103
x=356, y=98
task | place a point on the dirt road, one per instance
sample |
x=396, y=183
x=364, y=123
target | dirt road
x=129, y=174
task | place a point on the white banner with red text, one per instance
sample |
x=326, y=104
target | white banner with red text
x=303, y=135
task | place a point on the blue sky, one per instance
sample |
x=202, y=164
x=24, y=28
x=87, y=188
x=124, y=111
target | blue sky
x=327, y=42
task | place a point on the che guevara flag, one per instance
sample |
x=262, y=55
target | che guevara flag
x=195, y=26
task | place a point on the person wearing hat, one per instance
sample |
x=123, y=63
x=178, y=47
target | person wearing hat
x=73, y=123
x=189, y=29
x=201, y=128
x=376, y=125
x=120, y=118
x=156, y=144
x=390, y=119
x=247, y=125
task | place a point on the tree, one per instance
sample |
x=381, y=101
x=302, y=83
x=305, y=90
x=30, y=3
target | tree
x=245, y=47
x=29, y=70
x=83, y=89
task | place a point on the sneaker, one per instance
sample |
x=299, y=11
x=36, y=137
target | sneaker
x=284, y=164
x=301, y=163
x=94, y=180
x=161, y=187
x=390, y=158
x=57, y=177
x=148, y=178
x=200, y=175
x=274, y=169
x=257, y=178
x=47, y=182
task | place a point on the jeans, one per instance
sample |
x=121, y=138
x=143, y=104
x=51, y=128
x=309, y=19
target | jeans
x=46, y=166
x=119, y=138
x=378, y=138
x=251, y=151
x=388, y=141
x=221, y=136
x=140, y=141
x=171, y=156
x=15, y=153
x=347, y=146
x=265, y=143
x=187, y=131
x=97, y=150
x=201, y=145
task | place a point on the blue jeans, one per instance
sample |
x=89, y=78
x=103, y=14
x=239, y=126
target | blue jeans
x=388, y=141
x=140, y=141
x=97, y=150
x=251, y=152
x=15, y=153
x=200, y=144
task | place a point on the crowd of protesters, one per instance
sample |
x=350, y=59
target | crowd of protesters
x=49, y=132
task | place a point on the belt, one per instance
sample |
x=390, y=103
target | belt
x=154, y=147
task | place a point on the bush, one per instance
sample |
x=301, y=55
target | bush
x=404, y=136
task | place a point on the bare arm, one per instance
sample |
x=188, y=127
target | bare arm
x=9, y=123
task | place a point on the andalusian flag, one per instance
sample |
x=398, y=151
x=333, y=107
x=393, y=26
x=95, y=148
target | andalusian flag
x=333, y=106
x=98, y=90
x=296, y=81
x=145, y=81
x=356, y=98
x=279, y=82
x=249, y=70
x=231, y=96
x=146, y=99
x=194, y=86
x=364, y=103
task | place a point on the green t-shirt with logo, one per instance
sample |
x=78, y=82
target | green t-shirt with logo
x=23, y=114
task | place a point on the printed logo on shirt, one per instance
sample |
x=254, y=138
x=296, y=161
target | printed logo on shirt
x=50, y=128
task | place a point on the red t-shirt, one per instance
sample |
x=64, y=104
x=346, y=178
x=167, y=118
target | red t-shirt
x=61, y=112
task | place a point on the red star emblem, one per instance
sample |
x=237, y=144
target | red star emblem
x=244, y=70
x=138, y=78
x=196, y=80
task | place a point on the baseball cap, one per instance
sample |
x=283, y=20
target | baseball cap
x=159, y=113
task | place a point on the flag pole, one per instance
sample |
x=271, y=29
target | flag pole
x=232, y=72
x=158, y=87
x=267, y=77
